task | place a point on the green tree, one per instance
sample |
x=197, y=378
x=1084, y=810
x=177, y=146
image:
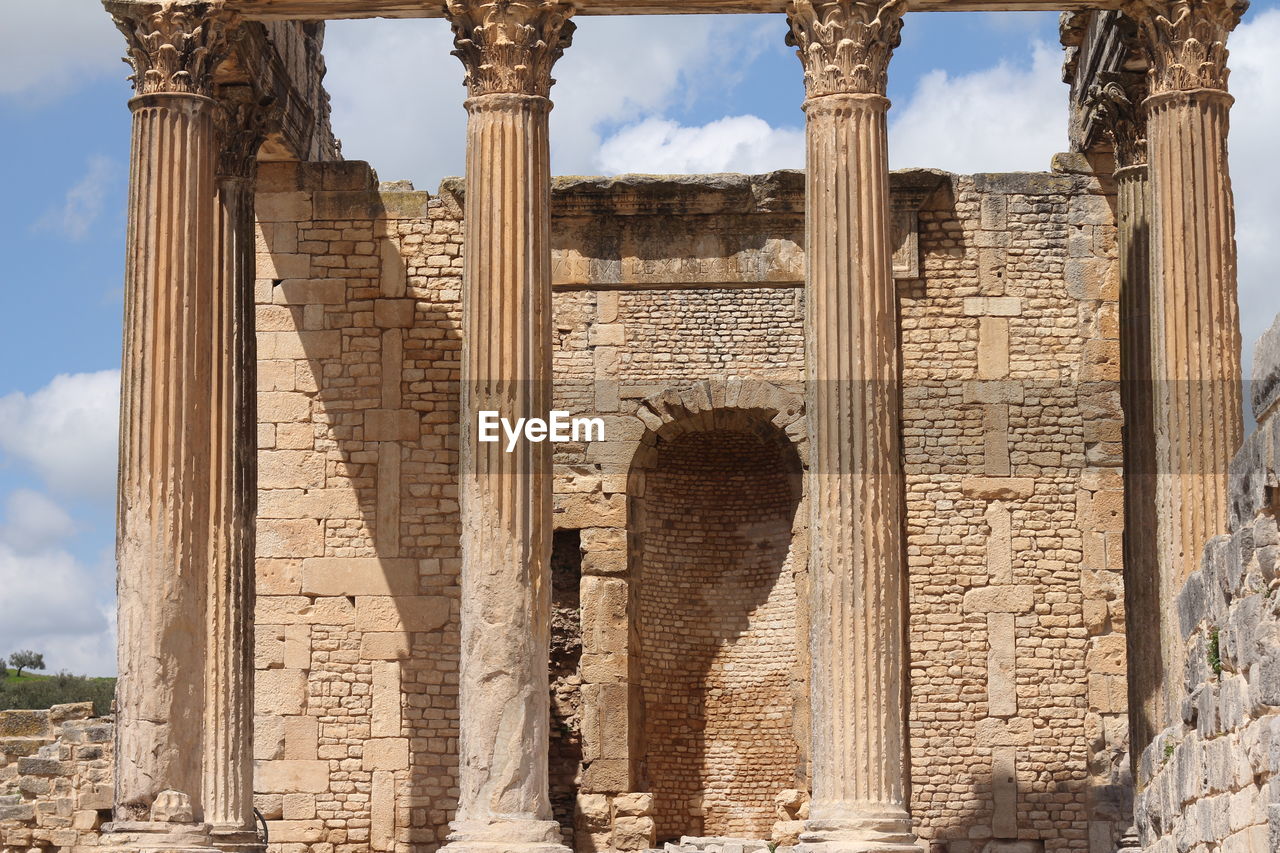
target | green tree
x=26, y=659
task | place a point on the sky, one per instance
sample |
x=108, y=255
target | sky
x=972, y=92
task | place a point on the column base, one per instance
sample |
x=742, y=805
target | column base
x=507, y=836
x=237, y=840
x=154, y=837
x=886, y=830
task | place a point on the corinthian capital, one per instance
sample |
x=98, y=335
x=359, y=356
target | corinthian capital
x=1117, y=101
x=845, y=45
x=242, y=125
x=509, y=46
x=174, y=46
x=1186, y=40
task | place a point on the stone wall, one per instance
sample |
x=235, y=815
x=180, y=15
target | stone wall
x=678, y=312
x=1212, y=781
x=55, y=777
x=718, y=640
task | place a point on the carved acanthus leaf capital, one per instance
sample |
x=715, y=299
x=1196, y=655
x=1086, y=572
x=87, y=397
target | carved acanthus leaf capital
x=242, y=126
x=845, y=45
x=1117, y=102
x=174, y=46
x=1186, y=41
x=510, y=46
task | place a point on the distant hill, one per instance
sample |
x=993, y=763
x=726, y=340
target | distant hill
x=36, y=692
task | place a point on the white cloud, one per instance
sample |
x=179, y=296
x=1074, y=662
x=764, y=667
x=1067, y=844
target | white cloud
x=49, y=47
x=34, y=522
x=83, y=202
x=1006, y=118
x=66, y=432
x=734, y=144
x=1255, y=126
x=398, y=96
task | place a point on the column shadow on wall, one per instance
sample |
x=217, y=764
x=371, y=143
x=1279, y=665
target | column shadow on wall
x=716, y=607
x=382, y=675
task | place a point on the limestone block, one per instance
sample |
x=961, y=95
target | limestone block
x=310, y=291
x=299, y=345
x=999, y=599
x=393, y=313
x=1266, y=372
x=574, y=512
x=606, y=774
x=278, y=266
x=591, y=812
x=270, y=805
x=280, y=691
x=384, y=717
x=394, y=276
x=384, y=645
x=605, y=723
x=1004, y=786
x=386, y=753
x=320, y=503
x=604, y=668
x=392, y=425
x=301, y=610
x=993, y=347
x=607, y=334
x=268, y=647
x=1002, y=694
x=633, y=833
x=291, y=777
x=268, y=737
x=297, y=831
x=290, y=537
x=283, y=207
x=401, y=613
x=359, y=576
x=604, y=614
x=604, y=562
x=290, y=469
x=301, y=737
x=297, y=647
x=633, y=804
x=299, y=807
x=993, y=306
x=382, y=811
x=998, y=488
x=994, y=392
x=1106, y=655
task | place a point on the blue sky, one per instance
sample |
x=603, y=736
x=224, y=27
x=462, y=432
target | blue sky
x=972, y=92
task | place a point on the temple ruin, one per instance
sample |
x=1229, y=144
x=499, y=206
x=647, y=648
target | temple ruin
x=924, y=521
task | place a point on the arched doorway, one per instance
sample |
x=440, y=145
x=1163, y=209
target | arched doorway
x=718, y=622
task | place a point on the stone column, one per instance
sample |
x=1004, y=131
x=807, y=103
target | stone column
x=508, y=48
x=228, y=763
x=168, y=408
x=1118, y=101
x=1195, y=323
x=857, y=563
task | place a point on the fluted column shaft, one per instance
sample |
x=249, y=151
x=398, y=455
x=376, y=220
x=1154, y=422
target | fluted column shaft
x=229, y=703
x=1195, y=323
x=1144, y=608
x=182, y=491
x=852, y=364
x=1195, y=339
x=508, y=50
x=165, y=453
